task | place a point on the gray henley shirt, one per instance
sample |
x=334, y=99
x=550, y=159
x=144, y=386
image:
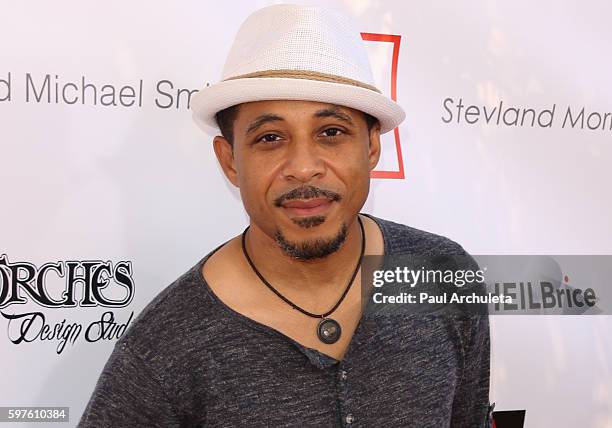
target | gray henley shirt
x=188, y=360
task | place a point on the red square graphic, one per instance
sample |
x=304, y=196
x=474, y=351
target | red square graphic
x=395, y=39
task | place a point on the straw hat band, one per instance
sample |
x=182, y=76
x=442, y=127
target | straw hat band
x=305, y=74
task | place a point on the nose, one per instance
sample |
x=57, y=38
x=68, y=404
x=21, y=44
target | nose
x=303, y=162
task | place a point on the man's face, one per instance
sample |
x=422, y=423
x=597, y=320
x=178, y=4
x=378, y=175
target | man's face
x=303, y=170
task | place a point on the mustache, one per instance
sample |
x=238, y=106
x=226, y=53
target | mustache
x=307, y=192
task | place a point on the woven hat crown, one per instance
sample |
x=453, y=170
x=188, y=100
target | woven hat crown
x=287, y=38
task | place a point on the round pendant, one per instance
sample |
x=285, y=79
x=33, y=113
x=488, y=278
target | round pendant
x=328, y=331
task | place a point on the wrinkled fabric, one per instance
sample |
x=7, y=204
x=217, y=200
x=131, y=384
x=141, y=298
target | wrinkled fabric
x=188, y=360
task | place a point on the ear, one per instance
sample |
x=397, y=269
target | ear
x=225, y=156
x=374, y=148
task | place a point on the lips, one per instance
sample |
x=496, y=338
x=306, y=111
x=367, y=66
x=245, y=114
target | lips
x=307, y=207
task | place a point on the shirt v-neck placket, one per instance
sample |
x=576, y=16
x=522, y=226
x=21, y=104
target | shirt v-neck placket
x=341, y=371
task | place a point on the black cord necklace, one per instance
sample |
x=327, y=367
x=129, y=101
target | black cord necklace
x=328, y=329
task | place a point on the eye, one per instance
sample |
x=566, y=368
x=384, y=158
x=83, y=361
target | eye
x=332, y=132
x=268, y=138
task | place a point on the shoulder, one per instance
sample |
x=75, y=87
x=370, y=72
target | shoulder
x=403, y=239
x=172, y=319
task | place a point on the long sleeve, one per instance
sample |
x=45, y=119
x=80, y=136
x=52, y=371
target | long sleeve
x=128, y=394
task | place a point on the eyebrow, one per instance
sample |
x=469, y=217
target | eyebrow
x=336, y=113
x=264, y=118
x=326, y=112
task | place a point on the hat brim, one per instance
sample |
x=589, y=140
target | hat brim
x=212, y=99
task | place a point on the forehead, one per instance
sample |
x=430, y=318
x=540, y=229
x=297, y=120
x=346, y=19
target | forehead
x=294, y=110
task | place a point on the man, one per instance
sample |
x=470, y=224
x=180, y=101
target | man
x=269, y=328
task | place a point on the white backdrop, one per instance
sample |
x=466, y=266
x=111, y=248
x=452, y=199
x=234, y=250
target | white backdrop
x=139, y=183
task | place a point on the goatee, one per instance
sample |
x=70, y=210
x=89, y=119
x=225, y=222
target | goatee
x=313, y=249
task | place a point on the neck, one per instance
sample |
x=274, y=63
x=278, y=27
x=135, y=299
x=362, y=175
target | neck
x=316, y=279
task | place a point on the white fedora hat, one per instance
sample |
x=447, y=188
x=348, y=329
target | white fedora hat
x=290, y=52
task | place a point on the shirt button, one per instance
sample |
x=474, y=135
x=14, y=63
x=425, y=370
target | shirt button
x=343, y=375
x=349, y=419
